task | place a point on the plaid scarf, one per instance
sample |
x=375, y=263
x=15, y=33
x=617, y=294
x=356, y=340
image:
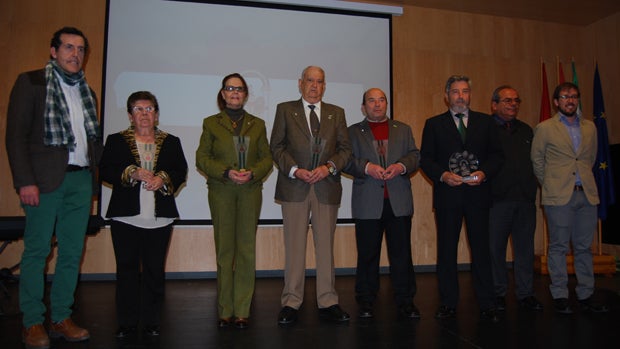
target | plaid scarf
x=57, y=121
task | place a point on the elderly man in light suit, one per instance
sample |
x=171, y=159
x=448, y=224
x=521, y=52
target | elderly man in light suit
x=563, y=153
x=309, y=155
x=384, y=158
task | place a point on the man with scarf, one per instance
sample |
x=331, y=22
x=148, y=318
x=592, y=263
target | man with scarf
x=53, y=144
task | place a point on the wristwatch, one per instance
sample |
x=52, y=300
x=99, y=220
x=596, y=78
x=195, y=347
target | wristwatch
x=331, y=168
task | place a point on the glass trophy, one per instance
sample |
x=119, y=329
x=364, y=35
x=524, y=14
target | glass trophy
x=241, y=148
x=464, y=164
x=316, y=150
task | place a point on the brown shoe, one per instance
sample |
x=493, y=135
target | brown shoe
x=68, y=330
x=242, y=322
x=35, y=337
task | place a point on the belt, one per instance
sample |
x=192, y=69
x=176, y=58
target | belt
x=578, y=188
x=75, y=168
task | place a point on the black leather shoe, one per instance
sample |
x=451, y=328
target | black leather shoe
x=560, y=305
x=126, y=331
x=409, y=311
x=490, y=314
x=152, y=331
x=589, y=304
x=334, y=313
x=445, y=312
x=500, y=303
x=365, y=311
x=287, y=315
x=531, y=303
x=224, y=322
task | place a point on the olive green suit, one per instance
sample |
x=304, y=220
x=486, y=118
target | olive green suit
x=234, y=208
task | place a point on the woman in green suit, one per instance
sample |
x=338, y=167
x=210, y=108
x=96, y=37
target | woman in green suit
x=234, y=156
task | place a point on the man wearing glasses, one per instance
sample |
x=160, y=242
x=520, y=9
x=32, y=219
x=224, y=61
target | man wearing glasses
x=513, y=212
x=563, y=153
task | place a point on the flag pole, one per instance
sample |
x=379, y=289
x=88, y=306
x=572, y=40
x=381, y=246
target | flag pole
x=544, y=223
x=600, y=238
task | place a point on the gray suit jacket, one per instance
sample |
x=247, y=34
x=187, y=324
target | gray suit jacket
x=367, y=198
x=556, y=162
x=291, y=145
x=32, y=162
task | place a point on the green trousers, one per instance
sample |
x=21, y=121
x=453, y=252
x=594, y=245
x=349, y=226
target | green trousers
x=235, y=210
x=65, y=212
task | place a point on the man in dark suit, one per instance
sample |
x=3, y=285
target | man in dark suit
x=309, y=153
x=384, y=158
x=513, y=212
x=460, y=153
x=53, y=143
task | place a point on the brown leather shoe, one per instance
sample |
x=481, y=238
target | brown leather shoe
x=35, y=337
x=68, y=330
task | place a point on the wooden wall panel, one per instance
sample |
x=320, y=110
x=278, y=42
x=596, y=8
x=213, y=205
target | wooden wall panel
x=428, y=46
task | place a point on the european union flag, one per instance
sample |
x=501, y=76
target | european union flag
x=602, y=167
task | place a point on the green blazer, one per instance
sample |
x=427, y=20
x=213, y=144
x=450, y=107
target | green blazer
x=216, y=152
x=556, y=162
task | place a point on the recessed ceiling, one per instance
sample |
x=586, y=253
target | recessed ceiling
x=575, y=12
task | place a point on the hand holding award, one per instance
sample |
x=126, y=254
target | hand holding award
x=464, y=164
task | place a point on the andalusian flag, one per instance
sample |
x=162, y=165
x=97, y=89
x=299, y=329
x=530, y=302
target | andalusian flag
x=576, y=82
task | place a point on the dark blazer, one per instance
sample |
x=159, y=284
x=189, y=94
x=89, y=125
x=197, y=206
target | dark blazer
x=367, y=197
x=118, y=155
x=291, y=143
x=441, y=139
x=516, y=180
x=32, y=162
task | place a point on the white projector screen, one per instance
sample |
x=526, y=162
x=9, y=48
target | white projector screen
x=180, y=51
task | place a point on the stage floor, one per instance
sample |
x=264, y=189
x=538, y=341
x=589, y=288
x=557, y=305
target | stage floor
x=190, y=316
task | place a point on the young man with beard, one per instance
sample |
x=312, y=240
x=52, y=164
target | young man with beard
x=563, y=153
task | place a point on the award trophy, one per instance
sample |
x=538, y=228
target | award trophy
x=316, y=150
x=241, y=147
x=464, y=164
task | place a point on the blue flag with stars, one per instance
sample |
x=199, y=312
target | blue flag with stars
x=602, y=167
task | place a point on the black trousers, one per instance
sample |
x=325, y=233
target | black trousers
x=516, y=219
x=140, y=272
x=369, y=235
x=449, y=222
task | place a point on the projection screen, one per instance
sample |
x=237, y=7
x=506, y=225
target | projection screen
x=180, y=51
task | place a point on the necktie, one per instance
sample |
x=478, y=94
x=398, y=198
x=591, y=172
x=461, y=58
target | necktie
x=314, y=121
x=462, y=128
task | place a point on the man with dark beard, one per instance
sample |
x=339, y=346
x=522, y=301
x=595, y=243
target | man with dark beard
x=563, y=153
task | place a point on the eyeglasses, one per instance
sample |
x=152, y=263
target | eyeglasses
x=565, y=97
x=510, y=100
x=143, y=109
x=234, y=88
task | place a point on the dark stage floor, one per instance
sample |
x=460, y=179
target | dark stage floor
x=190, y=317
